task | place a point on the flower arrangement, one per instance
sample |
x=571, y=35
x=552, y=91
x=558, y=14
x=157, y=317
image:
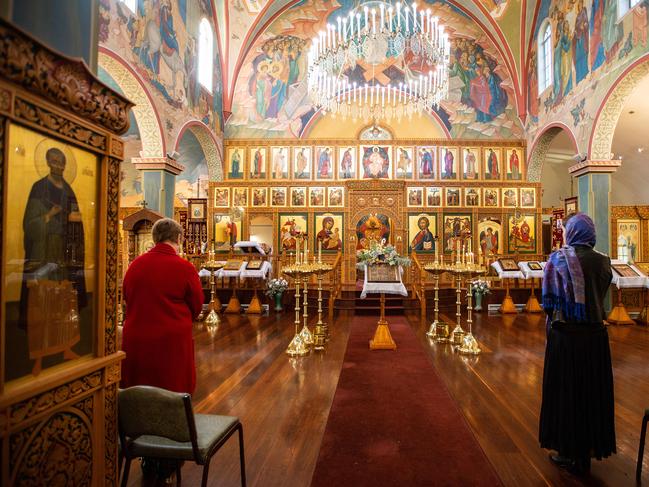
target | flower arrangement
x=380, y=253
x=480, y=286
x=276, y=286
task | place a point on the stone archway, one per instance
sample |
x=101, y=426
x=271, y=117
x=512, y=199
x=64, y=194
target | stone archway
x=148, y=122
x=209, y=146
x=601, y=140
x=541, y=146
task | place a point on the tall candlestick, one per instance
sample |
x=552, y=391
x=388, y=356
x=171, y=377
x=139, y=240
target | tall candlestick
x=319, y=250
x=297, y=250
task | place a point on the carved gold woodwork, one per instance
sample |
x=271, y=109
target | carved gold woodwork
x=59, y=428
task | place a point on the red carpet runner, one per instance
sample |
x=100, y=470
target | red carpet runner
x=393, y=423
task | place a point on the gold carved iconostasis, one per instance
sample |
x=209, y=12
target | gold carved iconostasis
x=60, y=166
x=348, y=192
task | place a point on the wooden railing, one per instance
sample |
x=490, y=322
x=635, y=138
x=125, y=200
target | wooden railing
x=419, y=284
x=335, y=285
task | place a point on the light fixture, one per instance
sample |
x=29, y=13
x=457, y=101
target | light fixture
x=368, y=37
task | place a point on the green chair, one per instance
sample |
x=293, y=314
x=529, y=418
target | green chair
x=157, y=423
x=643, y=435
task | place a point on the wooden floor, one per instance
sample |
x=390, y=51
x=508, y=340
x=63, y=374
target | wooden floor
x=283, y=403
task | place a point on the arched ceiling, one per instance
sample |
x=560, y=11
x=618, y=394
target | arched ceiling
x=504, y=22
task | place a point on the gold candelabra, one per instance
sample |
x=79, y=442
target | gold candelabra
x=469, y=344
x=297, y=347
x=439, y=330
x=321, y=335
x=215, y=304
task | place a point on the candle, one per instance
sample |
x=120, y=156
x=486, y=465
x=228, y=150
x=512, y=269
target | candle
x=319, y=250
x=297, y=250
x=374, y=21
x=390, y=17
x=398, y=15
x=367, y=24
x=458, y=252
x=382, y=7
x=306, y=251
x=406, y=10
x=436, y=251
x=358, y=25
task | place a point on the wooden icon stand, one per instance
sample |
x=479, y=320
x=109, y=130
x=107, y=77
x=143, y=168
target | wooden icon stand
x=234, y=306
x=382, y=338
x=619, y=315
x=533, y=305
x=507, y=306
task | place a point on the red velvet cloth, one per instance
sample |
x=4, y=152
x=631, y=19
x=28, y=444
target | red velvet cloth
x=163, y=295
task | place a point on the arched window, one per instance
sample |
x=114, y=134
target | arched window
x=205, y=54
x=545, y=57
x=131, y=4
x=623, y=6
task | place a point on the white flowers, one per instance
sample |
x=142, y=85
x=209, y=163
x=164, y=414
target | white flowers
x=480, y=286
x=276, y=286
x=380, y=253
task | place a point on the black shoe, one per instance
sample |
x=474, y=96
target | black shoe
x=559, y=461
x=580, y=467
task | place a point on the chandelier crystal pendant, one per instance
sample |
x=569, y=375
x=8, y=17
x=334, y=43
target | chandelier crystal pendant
x=372, y=36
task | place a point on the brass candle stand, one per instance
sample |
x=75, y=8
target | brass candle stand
x=321, y=335
x=469, y=344
x=458, y=333
x=214, y=306
x=439, y=330
x=305, y=334
x=297, y=347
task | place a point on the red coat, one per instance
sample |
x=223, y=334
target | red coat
x=163, y=295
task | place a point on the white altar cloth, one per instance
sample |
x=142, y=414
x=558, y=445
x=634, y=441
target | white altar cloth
x=506, y=274
x=384, y=287
x=629, y=282
x=230, y=273
x=529, y=273
x=265, y=270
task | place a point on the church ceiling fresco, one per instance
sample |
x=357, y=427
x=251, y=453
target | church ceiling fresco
x=270, y=95
x=591, y=47
x=160, y=43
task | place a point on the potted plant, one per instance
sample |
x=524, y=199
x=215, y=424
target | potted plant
x=275, y=289
x=479, y=287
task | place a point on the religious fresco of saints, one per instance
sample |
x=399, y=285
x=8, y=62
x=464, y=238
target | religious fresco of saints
x=434, y=197
x=528, y=197
x=221, y=197
x=324, y=163
x=489, y=234
x=329, y=230
x=472, y=197
x=456, y=228
x=302, y=163
x=274, y=74
x=240, y=197
x=347, y=162
x=490, y=197
x=336, y=196
x=426, y=162
x=279, y=162
x=453, y=197
x=628, y=232
x=259, y=197
x=522, y=234
x=421, y=230
x=404, y=166
x=510, y=197
x=257, y=163
x=448, y=163
x=236, y=158
x=415, y=197
x=278, y=197
x=373, y=227
x=513, y=162
x=491, y=158
x=298, y=197
x=227, y=232
x=470, y=163
x=291, y=226
x=49, y=256
x=317, y=196
x=376, y=162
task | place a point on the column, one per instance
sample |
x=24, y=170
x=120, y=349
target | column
x=159, y=182
x=594, y=192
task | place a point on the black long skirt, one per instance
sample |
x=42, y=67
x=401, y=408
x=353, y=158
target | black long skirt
x=577, y=411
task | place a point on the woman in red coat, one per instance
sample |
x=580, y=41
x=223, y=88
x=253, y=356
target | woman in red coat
x=163, y=295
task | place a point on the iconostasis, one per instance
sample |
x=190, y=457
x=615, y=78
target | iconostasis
x=335, y=191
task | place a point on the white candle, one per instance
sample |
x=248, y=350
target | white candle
x=339, y=22
x=297, y=250
x=367, y=24
x=358, y=25
x=345, y=30
x=319, y=250
x=382, y=18
x=406, y=11
x=421, y=21
x=399, y=15
x=414, y=17
x=390, y=17
x=374, y=21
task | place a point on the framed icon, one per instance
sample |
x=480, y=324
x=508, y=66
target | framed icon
x=426, y=162
x=317, y=197
x=336, y=196
x=259, y=197
x=415, y=197
x=347, y=162
x=279, y=162
x=258, y=162
x=298, y=197
x=404, y=162
x=278, y=197
x=301, y=162
x=222, y=197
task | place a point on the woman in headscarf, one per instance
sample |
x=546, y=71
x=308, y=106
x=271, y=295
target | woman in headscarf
x=577, y=410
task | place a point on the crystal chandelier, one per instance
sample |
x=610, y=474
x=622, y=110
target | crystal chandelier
x=374, y=35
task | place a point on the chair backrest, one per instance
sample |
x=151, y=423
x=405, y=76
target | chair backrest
x=147, y=410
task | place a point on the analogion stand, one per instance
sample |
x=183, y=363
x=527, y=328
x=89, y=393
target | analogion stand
x=531, y=272
x=388, y=282
x=232, y=269
x=619, y=314
x=507, y=306
x=257, y=268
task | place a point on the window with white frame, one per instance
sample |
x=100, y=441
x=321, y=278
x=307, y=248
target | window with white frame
x=205, y=54
x=131, y=4
x=544, y=58
x=623, y=6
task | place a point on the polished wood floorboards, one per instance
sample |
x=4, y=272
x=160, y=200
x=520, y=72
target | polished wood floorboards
x=283, y=403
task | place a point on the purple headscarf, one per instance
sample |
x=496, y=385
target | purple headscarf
x=563, y=277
